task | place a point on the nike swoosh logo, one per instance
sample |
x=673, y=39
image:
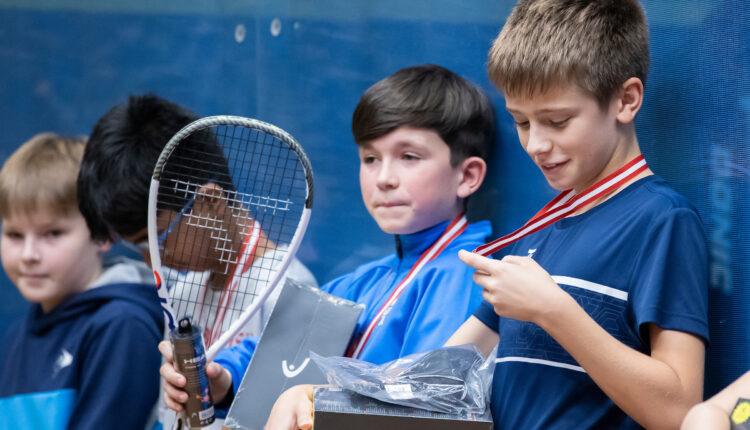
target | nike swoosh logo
x=290, y=371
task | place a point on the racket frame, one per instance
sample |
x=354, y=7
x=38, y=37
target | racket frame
x=153, y=233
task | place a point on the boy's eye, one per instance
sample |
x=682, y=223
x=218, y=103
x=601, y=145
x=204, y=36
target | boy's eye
x=559, y=123
x=54, y=233
x=410, y=157
x=13, y=235
x=522, y=124
x=368, y=159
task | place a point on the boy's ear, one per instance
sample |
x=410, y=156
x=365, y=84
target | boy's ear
x=472, y=170
x=104, y=245
x=629, y=100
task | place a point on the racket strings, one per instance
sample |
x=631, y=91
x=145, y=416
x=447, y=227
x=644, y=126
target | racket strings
x=235, y=198
x=230, y=217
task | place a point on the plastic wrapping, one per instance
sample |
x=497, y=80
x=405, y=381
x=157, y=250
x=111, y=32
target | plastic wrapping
x=453, y=380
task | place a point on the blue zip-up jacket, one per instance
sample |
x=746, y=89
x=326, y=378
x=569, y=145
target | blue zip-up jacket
x=91, y=362
x=431, y=308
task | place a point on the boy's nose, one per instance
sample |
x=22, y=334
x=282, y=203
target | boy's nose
x=537, y=142
x=387, y=177
x=30, y=249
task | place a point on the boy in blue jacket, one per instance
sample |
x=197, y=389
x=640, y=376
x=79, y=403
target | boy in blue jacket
x=423, y=135
x=84, y=356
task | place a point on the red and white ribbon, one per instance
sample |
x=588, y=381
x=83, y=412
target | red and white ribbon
x=567, y=203
x=454, y=229
x=247, y=254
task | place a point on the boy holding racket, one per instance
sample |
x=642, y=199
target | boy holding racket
x=84, y=357
x=114, y=181
x=113, y=186
x=600, y=309
x=423, y=134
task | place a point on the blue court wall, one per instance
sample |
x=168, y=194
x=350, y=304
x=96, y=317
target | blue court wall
x=303, y=65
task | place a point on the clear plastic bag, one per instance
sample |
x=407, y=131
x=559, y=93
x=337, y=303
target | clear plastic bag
x=453, y=380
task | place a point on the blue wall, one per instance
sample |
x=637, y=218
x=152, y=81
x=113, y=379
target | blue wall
x=303, y=66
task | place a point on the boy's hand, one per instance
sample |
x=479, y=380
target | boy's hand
x=174, y=396
x=517, y=287
x=292, y=410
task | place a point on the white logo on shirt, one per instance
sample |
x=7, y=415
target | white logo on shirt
x=290, y=372
x=64, y=360
x=385, y=314
x=531, y=252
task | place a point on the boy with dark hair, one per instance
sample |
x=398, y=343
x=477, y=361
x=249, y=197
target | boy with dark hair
x=114, y=183
x=114, y=186
x=600, y=309
x=88, y=343
x=119, y=160
x=429, y=97
x=422, y=134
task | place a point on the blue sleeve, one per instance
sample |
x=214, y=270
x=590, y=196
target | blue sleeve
x=486, y=314
x=119, y=382
x=341, y=287
x=670, y=288
x=236, y=359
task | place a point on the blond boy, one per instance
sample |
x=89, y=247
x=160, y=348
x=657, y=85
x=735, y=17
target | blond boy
x=85, y=354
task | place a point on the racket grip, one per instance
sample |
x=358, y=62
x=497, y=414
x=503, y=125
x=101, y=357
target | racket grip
x=189, y=359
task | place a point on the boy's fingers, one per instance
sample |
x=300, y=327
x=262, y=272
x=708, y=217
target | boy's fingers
x=166, y=350
x=171, y=404
x=174, y=394
x=304, y=416
x=214, y=370
x=170, y=375
x=476, y=261
x=516, y=259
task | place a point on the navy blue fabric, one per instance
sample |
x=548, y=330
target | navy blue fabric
x=92, y=360
x=647, y=245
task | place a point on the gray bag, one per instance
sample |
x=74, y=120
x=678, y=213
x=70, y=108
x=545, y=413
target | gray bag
x=304, y=319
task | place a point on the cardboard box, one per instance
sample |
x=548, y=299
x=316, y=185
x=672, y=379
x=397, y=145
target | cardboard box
x=304, y=319
x=339, y=409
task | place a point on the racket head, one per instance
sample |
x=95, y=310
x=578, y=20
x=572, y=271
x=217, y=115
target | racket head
x=229, y=202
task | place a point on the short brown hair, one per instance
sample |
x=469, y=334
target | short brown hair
x=41, y=175
x=594, y=44
x=433, y=98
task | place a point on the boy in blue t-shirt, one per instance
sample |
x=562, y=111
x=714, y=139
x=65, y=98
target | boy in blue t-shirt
x=84, y=357
x=601, y=307
x=423, y=134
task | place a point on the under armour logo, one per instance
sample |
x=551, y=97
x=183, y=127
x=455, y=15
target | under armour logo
x=290, y=371
x=531, y=252
x=64, y=360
